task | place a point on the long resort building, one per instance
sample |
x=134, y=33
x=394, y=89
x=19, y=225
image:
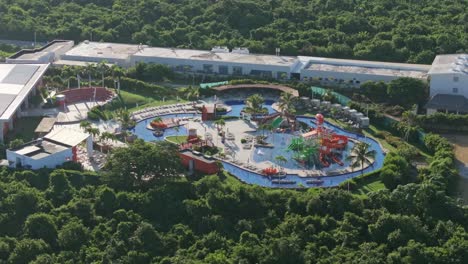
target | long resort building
x=448, y=75
x=18, y=84
x=240, y=62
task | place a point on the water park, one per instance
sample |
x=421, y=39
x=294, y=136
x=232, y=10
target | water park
x=259, y=138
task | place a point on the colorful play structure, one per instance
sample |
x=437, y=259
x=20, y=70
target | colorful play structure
x=329, y=142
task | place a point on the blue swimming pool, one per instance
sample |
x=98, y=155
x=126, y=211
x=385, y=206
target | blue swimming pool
x=283, y=139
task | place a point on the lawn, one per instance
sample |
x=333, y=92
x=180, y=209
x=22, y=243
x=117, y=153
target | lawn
x=370, y=186
x=134, y=101
x=24, y=128
x=177, y=139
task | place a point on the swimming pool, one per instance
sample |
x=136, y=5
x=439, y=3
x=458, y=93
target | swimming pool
x=280, y=149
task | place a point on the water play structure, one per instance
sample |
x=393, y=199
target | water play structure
x=330, y=143
x=314, y=156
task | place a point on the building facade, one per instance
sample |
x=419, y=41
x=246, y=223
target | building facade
x=18, y=84
x=449, y=77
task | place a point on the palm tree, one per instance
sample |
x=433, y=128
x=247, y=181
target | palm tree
x=89, y=69
x=103, y=69
x=281, y=160
x=106, y=136
x=220, y=123
x=286, y=105
x=361, y=155
x=408, y=123
x=125, y=120
x=117, y=72
x=93, y=131
x=255, y=104
x=85, y=124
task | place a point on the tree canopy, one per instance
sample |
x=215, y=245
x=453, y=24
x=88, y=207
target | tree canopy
x=406, y=31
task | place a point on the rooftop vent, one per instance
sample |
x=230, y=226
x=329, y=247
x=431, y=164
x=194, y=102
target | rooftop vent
x=220, y=49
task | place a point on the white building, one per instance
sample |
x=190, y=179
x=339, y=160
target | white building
x=95, y=52
x=355, y=72
x=46, y=54
x=237, y=62
x=18, y=83
x=50, y=151
x=449, y=84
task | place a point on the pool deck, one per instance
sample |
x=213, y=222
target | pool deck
x=241, y=162
x=243, y=157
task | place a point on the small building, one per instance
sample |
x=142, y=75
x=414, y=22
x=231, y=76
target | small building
x=195, y=161
x=52, y=150
x=351, y=112
x=364, y=121
x=315, y=102
x=45, y=126
x=208, y=112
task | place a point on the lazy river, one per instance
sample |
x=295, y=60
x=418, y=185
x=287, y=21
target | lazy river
x=281, y=142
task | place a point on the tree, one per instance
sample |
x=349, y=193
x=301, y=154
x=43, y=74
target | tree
x=89, y=69
x=220, y=123
x=27, y=250
x=192, y=93
x=125, y=119
x=361, y=155
x=60, y=190
x=141, y=163
x=407, y=91
x=15, y=143
x=41, y=226
x=103, y=69
x=85, y=125
x=281, y=159
x=286, y=105
x=106, y=202
x=255, y=104
x=94, y=131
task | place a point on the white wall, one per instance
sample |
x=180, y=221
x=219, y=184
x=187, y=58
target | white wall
x=198, y=65
x=444, y=84
x=120, y=62
x=346, y=76
x=50, y=161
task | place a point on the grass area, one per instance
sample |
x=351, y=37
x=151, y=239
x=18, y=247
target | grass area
x=24, y=128
x=371, y=131
x=369, y=186
x=177, y=139
x=157, y=103
x=134, y=101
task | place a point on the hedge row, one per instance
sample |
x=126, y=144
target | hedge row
x=140, y=87
x=442, y=122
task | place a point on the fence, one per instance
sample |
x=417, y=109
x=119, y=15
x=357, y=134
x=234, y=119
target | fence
x=343, y=100
x=214, y=84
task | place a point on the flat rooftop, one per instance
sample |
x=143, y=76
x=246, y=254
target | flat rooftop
x=205, y=55
x=16, y=82
x=103, y=50
x=32, y=54
x=39, y=149
x=66, y=136
x=450, y=63
x=364, y=63
x=367, y=70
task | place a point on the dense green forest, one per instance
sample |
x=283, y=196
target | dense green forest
x=124, y=216
x=390, y=30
